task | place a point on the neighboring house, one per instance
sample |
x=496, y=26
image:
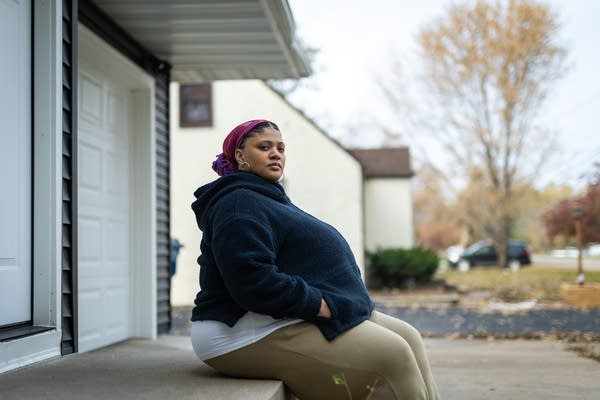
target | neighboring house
x=85, y=152
x=388, y=197
x=321, y=177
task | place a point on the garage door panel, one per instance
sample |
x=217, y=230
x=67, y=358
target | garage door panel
x=91, y=105
x=114, y=108
x=90, y=168
x=91, y=270
x=90, y=324
x=116, y=332
x=116, y=163
x=115, y=298
x=104, y=202
x=117, y=240
x=90, y=244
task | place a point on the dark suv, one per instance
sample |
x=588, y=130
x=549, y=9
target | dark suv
x=483, y=253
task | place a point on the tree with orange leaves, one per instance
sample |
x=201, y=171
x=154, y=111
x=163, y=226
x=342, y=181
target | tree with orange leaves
x=489, y=66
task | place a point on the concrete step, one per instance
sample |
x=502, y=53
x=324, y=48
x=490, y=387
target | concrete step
x=135, y=369
x=168, y=369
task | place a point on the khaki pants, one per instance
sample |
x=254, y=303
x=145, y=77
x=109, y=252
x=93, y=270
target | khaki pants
x=382, y=358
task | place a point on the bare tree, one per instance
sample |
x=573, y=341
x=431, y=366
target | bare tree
x=489, y=67
x=287, y=87
x=436, y=224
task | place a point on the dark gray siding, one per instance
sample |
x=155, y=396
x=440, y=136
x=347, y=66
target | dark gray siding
x=69, y=179
x=163, y=246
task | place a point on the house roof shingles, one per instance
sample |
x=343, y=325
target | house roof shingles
x=384, y=163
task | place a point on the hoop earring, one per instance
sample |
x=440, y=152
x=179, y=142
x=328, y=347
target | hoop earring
x=245, y=166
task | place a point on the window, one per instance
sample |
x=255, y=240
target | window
x=195, y=105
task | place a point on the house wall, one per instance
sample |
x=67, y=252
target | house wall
x=320, y=176
x=52, y=329
x=388, y=213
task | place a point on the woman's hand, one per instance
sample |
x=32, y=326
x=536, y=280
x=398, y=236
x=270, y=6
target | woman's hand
x=324, y=311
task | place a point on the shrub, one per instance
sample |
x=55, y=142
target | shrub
x=397, y=267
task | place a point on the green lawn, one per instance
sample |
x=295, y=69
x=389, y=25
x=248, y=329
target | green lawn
x=531, y=282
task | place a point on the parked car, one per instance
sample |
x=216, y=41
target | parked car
x=483, y=253
x=453, y=253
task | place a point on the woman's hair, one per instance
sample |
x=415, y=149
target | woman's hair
x=226, y=163
x=257, y=129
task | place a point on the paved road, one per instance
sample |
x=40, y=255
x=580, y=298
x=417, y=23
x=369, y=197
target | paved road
x=444, y=321
x=590, y=264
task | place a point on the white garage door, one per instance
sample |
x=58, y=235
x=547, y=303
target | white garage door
x=15, y=162
x=103, y=210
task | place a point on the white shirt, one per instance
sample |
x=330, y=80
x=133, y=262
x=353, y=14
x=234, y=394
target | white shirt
x=214, y=338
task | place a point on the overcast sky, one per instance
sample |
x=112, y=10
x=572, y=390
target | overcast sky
x=357, y=39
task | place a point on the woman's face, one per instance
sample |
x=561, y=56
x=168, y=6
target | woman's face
x=263, y=154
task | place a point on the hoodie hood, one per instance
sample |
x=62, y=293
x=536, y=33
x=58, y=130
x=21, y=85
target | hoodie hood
x=208, y=195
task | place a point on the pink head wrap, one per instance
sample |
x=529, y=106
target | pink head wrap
x=225, y=163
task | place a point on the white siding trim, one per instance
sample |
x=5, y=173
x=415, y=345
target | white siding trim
x=143, y=250
x=21, y=352
x=47, y=193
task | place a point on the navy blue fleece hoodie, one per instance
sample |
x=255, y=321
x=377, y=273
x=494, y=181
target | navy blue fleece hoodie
x=261, y=253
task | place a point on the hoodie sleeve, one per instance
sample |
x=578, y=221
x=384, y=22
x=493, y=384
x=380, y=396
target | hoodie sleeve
x=245, y=253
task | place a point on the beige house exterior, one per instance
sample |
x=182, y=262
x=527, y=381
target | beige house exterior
x=321, y=177
x=388, y=197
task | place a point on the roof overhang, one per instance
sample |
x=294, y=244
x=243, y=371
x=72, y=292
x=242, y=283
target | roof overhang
x=207, y=40
x=384, y=162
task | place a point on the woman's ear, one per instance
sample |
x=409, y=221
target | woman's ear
x=239, y=156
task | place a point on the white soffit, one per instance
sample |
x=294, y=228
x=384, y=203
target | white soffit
x=207, y=40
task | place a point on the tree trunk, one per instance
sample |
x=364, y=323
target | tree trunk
x=502, y=239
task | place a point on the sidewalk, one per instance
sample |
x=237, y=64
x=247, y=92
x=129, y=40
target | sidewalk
x=511, y=369
x=168, y=369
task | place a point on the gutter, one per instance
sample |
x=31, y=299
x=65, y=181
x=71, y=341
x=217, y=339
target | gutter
x=281, y=21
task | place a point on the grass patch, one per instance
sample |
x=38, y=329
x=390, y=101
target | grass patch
x=532, y=282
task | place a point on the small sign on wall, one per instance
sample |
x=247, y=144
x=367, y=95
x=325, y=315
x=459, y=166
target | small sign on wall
x=195, y=105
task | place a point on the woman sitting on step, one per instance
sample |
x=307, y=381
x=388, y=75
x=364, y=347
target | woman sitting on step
x=281, y=294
